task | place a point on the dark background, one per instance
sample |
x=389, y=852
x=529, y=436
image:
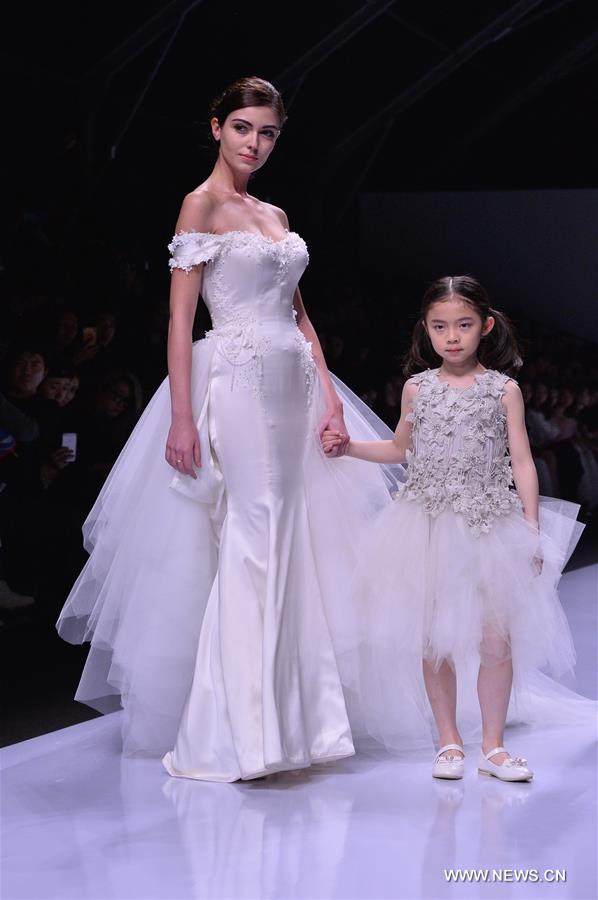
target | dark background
x=105, y=130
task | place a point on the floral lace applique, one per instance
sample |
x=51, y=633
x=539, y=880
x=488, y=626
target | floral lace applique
x=459, y=457
x=244, y=347
x=307, y=362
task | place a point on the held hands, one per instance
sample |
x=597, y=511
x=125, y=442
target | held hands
x=333, y=443
x=182, y=447
x=334, y=422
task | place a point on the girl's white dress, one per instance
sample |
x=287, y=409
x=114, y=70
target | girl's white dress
x=451, y=571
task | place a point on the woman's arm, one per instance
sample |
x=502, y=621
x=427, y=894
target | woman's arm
x=522, y=463
x=183, y=440
x=333, y=417
x=333, y=402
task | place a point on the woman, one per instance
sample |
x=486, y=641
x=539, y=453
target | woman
x=216, y=599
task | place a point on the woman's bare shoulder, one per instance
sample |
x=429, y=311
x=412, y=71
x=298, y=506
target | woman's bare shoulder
x=197, y=211
x=279, y=213
x=268, y=210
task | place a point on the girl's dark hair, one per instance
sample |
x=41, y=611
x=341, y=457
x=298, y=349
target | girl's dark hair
x=250, y=91
x=498, y=349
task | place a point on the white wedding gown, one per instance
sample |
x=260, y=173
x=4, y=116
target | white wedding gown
x=218, y=607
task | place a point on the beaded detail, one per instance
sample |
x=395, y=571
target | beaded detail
x=304, y=349
x=459, y=457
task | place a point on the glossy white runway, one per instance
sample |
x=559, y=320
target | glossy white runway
x=81, y=822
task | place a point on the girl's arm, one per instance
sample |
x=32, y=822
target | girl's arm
x=522, y=463
x=391, y=451
x=183, y=439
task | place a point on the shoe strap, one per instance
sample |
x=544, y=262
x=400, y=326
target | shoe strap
x=450, y=747
x=495, y=751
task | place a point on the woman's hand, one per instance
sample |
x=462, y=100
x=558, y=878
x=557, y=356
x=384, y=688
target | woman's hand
x=332, y=441
x=182, y=447
x=334, y=421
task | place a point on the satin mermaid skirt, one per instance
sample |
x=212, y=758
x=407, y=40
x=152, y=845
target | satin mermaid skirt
x=217, y=608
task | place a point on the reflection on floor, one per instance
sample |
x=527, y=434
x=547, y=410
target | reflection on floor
x=82, y=822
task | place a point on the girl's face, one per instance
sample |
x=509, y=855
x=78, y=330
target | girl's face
x=455, y=329
x=247, y=137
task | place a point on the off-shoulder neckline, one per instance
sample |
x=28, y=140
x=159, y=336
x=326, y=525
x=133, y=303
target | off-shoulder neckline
x=256, y=234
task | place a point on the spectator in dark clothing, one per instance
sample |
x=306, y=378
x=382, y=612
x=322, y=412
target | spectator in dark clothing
x=15, y=428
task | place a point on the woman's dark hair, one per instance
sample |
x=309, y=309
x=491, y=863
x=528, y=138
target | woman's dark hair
x=498, y=349
x=250, y=91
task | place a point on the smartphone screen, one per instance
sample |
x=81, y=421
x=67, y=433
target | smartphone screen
x=69, y=439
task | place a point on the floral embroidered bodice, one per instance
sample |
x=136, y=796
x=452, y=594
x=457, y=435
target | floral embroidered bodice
x=248, y=286
x=459, y=457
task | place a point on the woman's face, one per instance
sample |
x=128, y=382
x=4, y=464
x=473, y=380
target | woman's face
x=114, y=399
x=247, y=137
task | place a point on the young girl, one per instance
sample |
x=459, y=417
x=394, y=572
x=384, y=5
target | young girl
x=458, y=570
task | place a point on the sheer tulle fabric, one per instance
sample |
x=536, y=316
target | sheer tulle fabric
x=424, y=588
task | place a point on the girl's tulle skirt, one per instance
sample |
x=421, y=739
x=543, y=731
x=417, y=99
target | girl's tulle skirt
x=427, y=589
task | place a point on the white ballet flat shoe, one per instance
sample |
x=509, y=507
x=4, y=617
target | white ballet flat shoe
x=515, y=768
x=449, y=766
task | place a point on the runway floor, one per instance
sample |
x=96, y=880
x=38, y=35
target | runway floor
x=79, y=821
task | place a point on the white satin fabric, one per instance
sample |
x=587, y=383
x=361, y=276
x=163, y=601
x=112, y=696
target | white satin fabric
x=218, y=607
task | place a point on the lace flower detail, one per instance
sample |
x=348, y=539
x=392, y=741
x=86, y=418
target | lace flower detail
x=460, y=450
x=244, y=347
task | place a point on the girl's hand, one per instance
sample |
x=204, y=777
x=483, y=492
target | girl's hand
x=335, y=422
x=182, y=447
x=332, y=441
